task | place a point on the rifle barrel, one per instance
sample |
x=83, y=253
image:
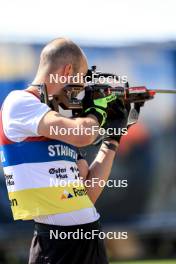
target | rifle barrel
x=170, y=91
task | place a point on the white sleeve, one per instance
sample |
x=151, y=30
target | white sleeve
x=21, y=114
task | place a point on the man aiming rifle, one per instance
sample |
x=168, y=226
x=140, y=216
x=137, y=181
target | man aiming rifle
x=32, y=155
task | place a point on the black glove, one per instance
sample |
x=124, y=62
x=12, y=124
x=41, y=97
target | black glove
x=120, y=117
x=117, y=120
x=96, y=106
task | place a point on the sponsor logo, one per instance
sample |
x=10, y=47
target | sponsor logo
x=9, y=179
x=75, y=171
x=66, y=195
x=13, y=202
x=59, y=172
x=77, y=192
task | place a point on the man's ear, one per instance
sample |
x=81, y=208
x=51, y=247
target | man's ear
x=68, y=70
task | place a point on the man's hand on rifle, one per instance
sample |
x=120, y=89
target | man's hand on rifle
x=120, y=117
x=97, y=107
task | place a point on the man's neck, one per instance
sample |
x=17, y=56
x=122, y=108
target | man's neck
x=34, y=90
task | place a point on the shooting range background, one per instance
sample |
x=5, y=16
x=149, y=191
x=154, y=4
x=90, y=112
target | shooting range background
x=147, y=158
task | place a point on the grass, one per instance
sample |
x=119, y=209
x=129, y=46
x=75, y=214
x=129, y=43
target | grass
x=146, y=262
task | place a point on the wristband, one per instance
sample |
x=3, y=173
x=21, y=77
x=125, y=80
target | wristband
x=100, y=114
x=110, y=146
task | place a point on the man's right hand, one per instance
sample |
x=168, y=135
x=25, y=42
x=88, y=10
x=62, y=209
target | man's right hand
x=97, y=107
